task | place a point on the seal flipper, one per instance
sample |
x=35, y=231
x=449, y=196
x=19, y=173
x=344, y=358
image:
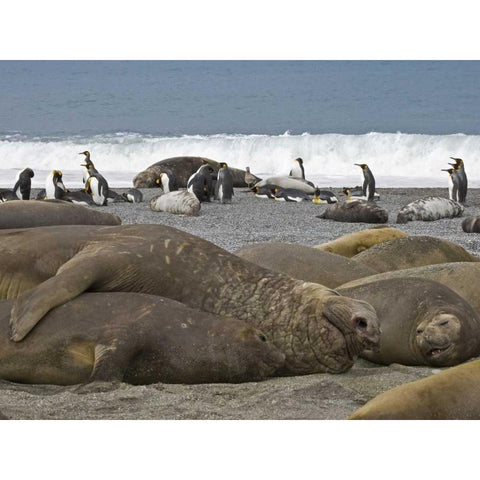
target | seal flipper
x=111, y=362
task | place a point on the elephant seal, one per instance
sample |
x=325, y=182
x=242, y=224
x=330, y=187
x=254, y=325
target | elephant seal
x=352, y=243
x=462, y=277
x=305, y=263
x=356, y=211
x=288, y=182
x=422, y=322
x=180, y=169
x=32, y=213
x=412, y=251
x=178, y=201
x=430, y=209
x=317, y=329
x=471, y=225
x=135, y=338
x=449, y=395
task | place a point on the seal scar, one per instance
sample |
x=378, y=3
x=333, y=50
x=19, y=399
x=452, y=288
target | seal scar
x=167, y=242
x=180, y=248
x=151, y=248
x=167, y=259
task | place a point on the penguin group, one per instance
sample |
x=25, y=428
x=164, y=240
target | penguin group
x=457, y=180
x=206, y=184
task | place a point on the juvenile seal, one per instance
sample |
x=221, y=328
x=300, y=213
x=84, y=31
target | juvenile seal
x=422, y=322
x=37, y=213
x=289, y=182
x=471, y=225
x=412, y=251
x=357, y=211
x=449, y=395
x=305, y=263
x=352, y=243
x=317, y=329
x=135, y=338
x=180, y=202
x=430, y=209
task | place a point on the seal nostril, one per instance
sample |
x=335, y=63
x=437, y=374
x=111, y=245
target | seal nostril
x=361, y=323
x=262, y=337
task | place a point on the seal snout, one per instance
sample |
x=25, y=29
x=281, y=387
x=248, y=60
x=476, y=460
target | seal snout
x=368, y=329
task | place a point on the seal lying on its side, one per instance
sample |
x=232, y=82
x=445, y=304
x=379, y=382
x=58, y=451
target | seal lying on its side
x=422, y=322
x=449, y=395
x=178, y=201
x=352, y=243
x=471, y=225
x=305, y=263
x=135, y=338
x=317, y=329
x=357, y=211
x=412, y=251
x=28, y=214
x=430, y=209
x=288, y=182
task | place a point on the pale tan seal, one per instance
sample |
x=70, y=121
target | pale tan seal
x=430, y=209
x=180, y=202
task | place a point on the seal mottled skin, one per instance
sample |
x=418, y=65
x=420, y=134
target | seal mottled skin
x=356, y=211
x=317, y=329
x=28, y=214
x=305, y=263
x=412, y=251
x=422, y=322
x=449, y=395
x=180, y=202
x=352, y=243
x=430, y=209
x=135, y=338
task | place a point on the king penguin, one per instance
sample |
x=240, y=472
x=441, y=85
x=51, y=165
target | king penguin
x=297, y=171
x=368, y=181
x=167, y=182
x=23, y=184
x=89, y=166
x=200, y=183
x=54, y=187
x=97, y=187
x=133, y=195
x=290, y=195
x=224, y=185
x=324, y=196
x=453, y=184
x=265, y=191
x=459, y=167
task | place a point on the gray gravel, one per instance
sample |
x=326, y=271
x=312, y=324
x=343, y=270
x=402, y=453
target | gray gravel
x=322, y=396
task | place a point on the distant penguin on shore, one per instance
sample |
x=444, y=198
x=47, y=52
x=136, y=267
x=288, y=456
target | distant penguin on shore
x=54, y=187
x=368, y=181
x=224, y=184
x=265, y=191
x=133, y=196
x=453, y=184
x=200, y=183
x=97, y=187
x=290, y=195
x=89, y=167
x=23, y=184
x=459, y=167
x=297, y=170
x=166, y=181
x=324, y=196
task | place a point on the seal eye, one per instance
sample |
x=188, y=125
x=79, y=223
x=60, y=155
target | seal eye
x=420, y=330
x=441, y=324
x=361, y=323
x=262, y=337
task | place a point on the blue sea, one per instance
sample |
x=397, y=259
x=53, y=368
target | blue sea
x=403, y=118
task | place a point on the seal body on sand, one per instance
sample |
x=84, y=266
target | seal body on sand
x=178, y=201
x=288, y=182
x=305, y=263
x=471, y=225
x=135, y=338
x=32, y=213
x=182, y=168
x=356, y=211
x=430, y=209
x=412, y=251
x=317, y=329
x=352, y=243
x=449, y=395
x=422, y=322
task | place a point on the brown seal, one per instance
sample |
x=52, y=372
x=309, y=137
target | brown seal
x=412, y=251
x=33, y=213
x=422, y=322
x=352, y=243
x=449, y=395
x=135, y=338
x=317, y=329
x=356, y=211
x=471, y=225
x=305, y=263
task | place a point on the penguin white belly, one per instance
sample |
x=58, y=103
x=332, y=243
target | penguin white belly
x=190, y=183
x=49, y=187
x=98, y=195
x=85, y=174
x=450, y=188
x=296, y=171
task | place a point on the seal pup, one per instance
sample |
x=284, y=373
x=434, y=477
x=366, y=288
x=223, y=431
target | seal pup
x=453, y=184
x=180, y=202
x=133, y=195
x=358, y=211
x=430, y=209
x=449, y=395
x=290, y=195
x=250, y=178
x=297, y=171
x=459, y=167
x=471, y=225
x=412, y=251
x=224, y=185
x=138, y=339
x=368, y=186
x=167, y=182
x=265, y=191
x=317, y=329
x=352, y=243
x=54, y=187
x=423, y=323
x=23, y=184
x=200, y=183
x=288, y=182
x=89, y=166
x=324, y=196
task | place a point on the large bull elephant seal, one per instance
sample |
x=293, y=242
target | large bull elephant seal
x=449, y=395
x=422, y=322
x=412, y=251
x=356, y=211
x=135, y=338
x=305, y=263
x=28, y=214
x=181, y=168
x=317, y=329
x=352, y=243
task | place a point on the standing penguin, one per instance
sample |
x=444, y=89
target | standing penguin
x=97, y=187
x=89, y=167
x=453, y=184
x=54, y=187
x=167, y=182
x=23, y=184
x=297, y=171
x=200, y=183
x=368, y=181
x=459, y=167
x=224, y=185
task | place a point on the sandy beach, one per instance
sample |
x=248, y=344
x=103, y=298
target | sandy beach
x=246, y=221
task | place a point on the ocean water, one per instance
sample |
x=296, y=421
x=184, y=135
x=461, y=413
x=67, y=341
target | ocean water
x=403, y=118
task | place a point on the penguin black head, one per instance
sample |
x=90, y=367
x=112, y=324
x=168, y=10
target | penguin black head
x=223, y=165
x=346, y=191
x=451, y=171
x=363, y=166
x=299, y=160
x=29, y=172
x=254, y=189
x=458, y=162
x=86, y=153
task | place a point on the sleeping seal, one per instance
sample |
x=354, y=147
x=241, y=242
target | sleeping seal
x=357, y=211
x=288, y=182
x=471, y=225
x=178, y=201
x=422, y=322
x=430, y=209
x=135, y=338
x=317, y=329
